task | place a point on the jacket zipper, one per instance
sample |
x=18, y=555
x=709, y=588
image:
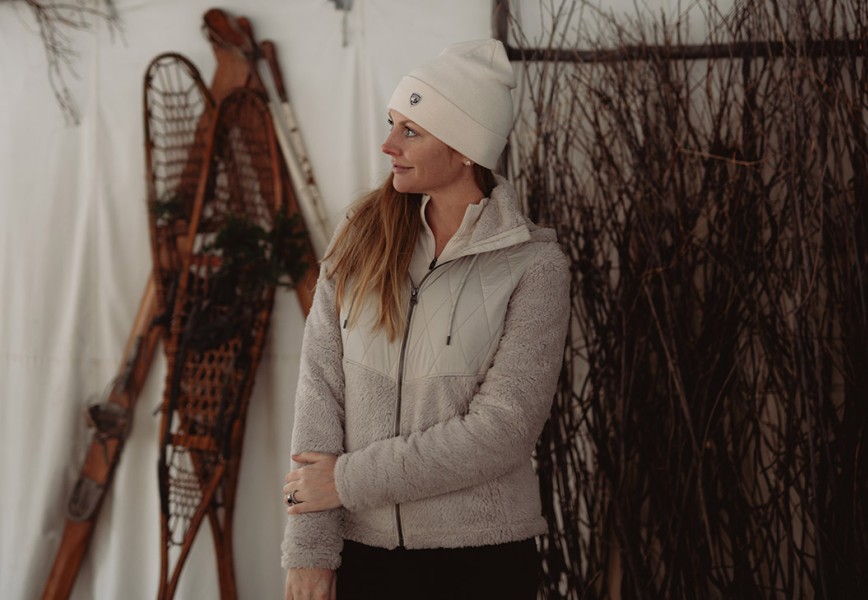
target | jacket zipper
x=414, y=299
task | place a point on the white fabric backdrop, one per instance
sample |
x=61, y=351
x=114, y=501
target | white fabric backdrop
x=74, y=259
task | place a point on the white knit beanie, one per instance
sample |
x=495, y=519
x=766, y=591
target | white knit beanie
x=463, y=98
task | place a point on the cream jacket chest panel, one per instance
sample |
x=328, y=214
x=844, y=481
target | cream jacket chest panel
x=463, y=302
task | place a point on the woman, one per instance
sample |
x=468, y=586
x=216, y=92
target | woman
x=429, y=362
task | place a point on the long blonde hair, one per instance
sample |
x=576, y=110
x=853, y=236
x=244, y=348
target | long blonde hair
x=370, y=257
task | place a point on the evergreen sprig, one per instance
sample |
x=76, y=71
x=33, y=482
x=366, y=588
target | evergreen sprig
x=253, y=258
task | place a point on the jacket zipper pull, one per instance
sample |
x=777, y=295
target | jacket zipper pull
x=414, y=296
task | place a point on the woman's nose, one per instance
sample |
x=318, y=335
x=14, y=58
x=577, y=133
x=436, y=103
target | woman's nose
x=389, y=146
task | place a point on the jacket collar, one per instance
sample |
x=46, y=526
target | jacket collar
x=502, y=223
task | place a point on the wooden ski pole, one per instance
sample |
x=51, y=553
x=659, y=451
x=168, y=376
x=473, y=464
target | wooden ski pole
x=294, y=151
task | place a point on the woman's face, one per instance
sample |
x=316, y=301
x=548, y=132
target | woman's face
x=421, y=164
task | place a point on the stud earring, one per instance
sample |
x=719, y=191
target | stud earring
x=467, y=163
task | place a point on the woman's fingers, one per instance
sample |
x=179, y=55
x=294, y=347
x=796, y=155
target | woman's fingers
x=306, y=459
x=312, y=486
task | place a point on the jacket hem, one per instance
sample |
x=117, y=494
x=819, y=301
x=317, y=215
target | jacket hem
x=438, y=538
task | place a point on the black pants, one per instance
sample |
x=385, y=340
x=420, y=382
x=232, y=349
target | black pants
x=503, y=572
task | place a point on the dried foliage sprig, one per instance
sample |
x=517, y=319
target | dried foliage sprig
x=708, y=439
x=56, y=22
x=252, y=258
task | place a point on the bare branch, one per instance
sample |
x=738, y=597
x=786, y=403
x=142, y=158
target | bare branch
x=56, y=21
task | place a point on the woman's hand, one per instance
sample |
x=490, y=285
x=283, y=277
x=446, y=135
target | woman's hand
x=310, y=584
x=312, y=485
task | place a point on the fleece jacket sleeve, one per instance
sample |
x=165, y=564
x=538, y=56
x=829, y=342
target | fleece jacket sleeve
x=505, y=416
x=313, y=540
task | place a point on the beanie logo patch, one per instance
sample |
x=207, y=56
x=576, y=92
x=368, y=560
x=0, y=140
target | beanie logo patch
x=414, y=99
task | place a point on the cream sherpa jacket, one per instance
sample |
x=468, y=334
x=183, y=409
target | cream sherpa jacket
x=435, y=431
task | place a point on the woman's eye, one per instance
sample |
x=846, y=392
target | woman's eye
x=391, y=123
x=409, y=132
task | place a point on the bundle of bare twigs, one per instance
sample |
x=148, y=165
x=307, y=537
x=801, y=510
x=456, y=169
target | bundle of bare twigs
x=709, y=436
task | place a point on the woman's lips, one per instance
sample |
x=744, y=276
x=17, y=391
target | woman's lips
x=398, y=169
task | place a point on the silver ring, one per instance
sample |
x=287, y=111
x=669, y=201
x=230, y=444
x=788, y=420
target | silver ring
x=290, y=498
